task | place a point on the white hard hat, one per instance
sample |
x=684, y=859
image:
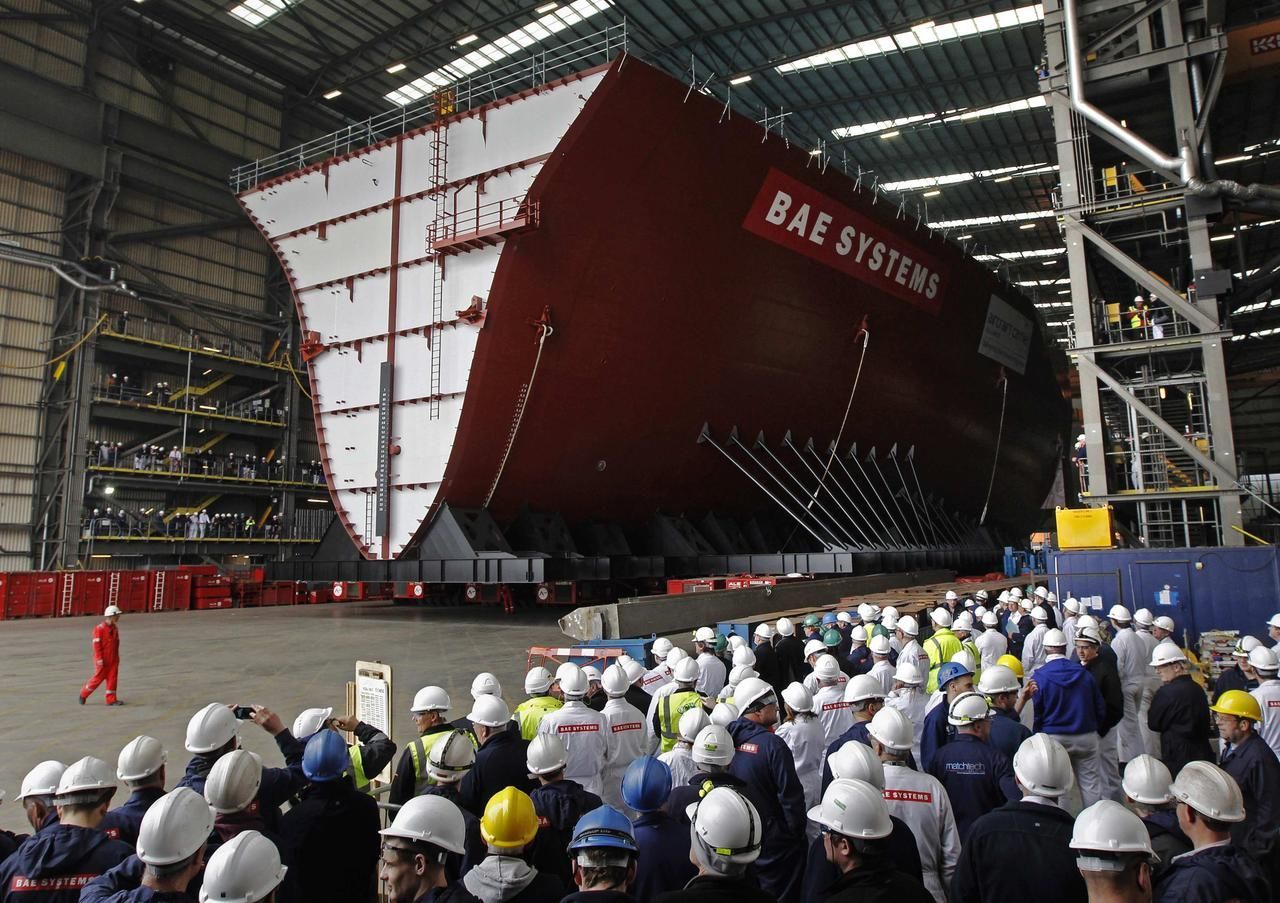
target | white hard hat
x=862, y=687
x=1274, y=620
x=1143, y=616
x=692, y=722
x=1147, y=780
x=736, y=642
x=309, y=721
x=430, y=699
x=1015, y=592
x=87, y=776
x=573, y=682
x=785, y=627
x=490, y=711
x=965, y=657
x=675, y=656
x=538, y=681
x=726, y=829
x=1025, y=604
x=892, y=729
x=1055, y=638
x=907, y=624
x=233, y=782
x=430, y=819
x=450, y=757
x=686, y=671
x=1210, y=791
x=963, y=621
x=751, y=691
x=739, y=673
x=979, y=612
x=615, y=681
x=1042, y=592
x=1004, y=596
x=42, y=780
x=908, y=673
x=951, y=594
x=111, y=611
x=853, y=809
x=211, y=728
x=797, y=696
x=1263, y=659
x=890, y=620
x=1166, y=653
x=1164, y=622
x=1039, y=614
x=856, y=761
x=635, y=671
x=981, y=595
x=713, y=746
x=998, y=679
x=1119, y=613
x=991, y=619
x=843, y=617
x=889, y=611
x=141, y=757
x=880, y=645
x=1089, y=635
x=175, y=827
x=968, y=708
x=743, y=656
x=1072, y=605
x=764, y=631
x=704, y=635
x=1108, y=827
x=1087, y=621
x=814, y=647
x=247, y=867
x=941, y=617
x=724, y=714
x=1244, y=646
x=594, y=674
x=624, y=658
x=545, y=754
x=826, y=668
x=858, y=634
x=485, y=684
x=1052, y=598
x=1043, y=766
x=661, y=646
x=866, y=611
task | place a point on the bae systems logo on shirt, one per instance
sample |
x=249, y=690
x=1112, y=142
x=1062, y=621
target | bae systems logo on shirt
x=835, y=705
x=1273, y=703
x=970, y=768
x=909, y=796
x=749, y=748
x=65, y=882
x=629, y=726
x=578, y=729
x=651, y=680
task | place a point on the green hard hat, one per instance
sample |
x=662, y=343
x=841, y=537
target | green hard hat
x=831, y=638
x=811, y=621
x=722, y=642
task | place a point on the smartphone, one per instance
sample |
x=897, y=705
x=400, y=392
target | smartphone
x=243, y=712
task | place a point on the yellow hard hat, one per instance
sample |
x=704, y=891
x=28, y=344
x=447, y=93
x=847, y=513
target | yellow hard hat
x=1012, y=662
x=509, y=821
x=1238, y=703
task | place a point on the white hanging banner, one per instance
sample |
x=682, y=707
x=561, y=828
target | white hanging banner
x=1006, y=336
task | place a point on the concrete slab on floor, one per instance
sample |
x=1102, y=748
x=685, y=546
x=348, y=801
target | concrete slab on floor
x=286, y=658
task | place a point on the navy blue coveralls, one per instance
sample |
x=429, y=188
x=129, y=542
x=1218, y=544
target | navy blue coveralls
x=1212, y=875
x=499, y=763
x=559, y=806
x=123, y=822
x=1007, y=732
x=977, y=776
x=278, y=784
x=663, y=864
x=858, y=733
x=765, y=762
x=56, y=864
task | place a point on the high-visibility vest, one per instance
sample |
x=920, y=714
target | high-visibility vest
x=529, y=714
x=358, y=776
x=418, y=753
x=940, y=648
x=670, y=708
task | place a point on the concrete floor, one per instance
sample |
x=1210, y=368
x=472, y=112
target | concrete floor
x=287, y=659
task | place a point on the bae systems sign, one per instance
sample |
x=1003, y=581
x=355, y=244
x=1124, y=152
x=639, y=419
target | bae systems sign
x=790, y=213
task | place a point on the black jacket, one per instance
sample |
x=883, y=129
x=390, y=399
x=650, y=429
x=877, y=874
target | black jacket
x=1019, y=852
x=899, y=848
x=1180, y=714
x=376, y=749
x=708, y=889
x=1232, y=679
x=559, y=806
x=332, y=843
x=499, y=763
x=791, y=664
x=767, y=666
x=1255, y=769
x=1106, y=675
x=457, y=864
x=876, y=881
x=1167, y=840
x=599, y=896
x=638, y=698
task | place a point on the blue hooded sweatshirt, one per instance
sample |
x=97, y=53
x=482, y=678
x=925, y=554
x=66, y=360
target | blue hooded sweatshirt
x=1067, y=701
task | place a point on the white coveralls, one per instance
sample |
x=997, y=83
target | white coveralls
x=883, y=672
x=833, y=712
x=912, y=702
x=1033, y=654
x=920, y=800
x=586, y=740
x=805, y=739
x=1069, y=631
x=1131, y=660
x=631, y=738
x=711, y=675
x=991, y=645
x=1150, y=739
x=655, y=678
x=680, y=760
x=911, y=648
x=1268, y=695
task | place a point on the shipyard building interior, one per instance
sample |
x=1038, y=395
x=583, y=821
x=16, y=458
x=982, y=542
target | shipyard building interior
x=459, y=336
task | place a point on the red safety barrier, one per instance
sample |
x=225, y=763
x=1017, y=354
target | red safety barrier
x=211, y=592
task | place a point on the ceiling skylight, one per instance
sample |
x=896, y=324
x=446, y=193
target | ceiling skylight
x=992, y=220
x=923, y=34
x=256, y=12
x=538, y=30
x=1020, y=105
x=954, y=178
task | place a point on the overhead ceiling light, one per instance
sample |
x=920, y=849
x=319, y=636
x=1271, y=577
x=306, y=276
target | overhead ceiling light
x=1027, y=226
x=957, y=177
x=1222, y=238
x=740, y=80
x=467, y=39
x=893, y=134
x=1239, y=158
x=398, y=67
x=330, y=95
x=1003, y=179
x=923, y=34
x=991, y=219
x=815, y=152
x=963, y=237
x=109, y=490
x=1017, y=105
x=318, y=501
x=1065, y=291
x=256, y=12
x=557, y=20
x=931, y=194
x=1022, y=255
x=546, y=8
x=1049, y=263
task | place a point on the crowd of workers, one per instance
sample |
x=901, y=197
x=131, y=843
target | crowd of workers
x=858, y=756
x=153, y=458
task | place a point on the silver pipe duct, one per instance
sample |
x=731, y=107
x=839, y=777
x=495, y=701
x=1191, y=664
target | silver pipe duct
x=1184, y=164
x=1251, y=192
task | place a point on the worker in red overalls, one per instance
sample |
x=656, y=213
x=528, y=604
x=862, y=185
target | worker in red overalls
x=106, y=657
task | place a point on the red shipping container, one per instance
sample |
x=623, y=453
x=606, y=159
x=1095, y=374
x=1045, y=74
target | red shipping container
x=746, y=581
x=168, y=590
x=696, y=585
x=17, y=594
x=133, y=594
x=205, y=602
x=199, y=570
x=91, y=594
x=44, y=595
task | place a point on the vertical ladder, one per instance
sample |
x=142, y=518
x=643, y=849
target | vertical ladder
x=68, y=591
x=157, y=600
x=439, y=160
x=113, y=588
x=370, y=516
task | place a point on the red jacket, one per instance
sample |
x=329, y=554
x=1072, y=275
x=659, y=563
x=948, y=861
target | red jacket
x=106, y=643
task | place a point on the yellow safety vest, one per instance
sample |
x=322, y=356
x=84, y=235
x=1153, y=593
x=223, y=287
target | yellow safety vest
x=670, y=708
x=529, y=714
x=357, y=768
x=940, y=647
x=418, y=753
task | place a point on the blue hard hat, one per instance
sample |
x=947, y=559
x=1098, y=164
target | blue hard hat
x=603, y=827
x=325, y=758
x=949, y=672
x=829, y=618
x=646, y=784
